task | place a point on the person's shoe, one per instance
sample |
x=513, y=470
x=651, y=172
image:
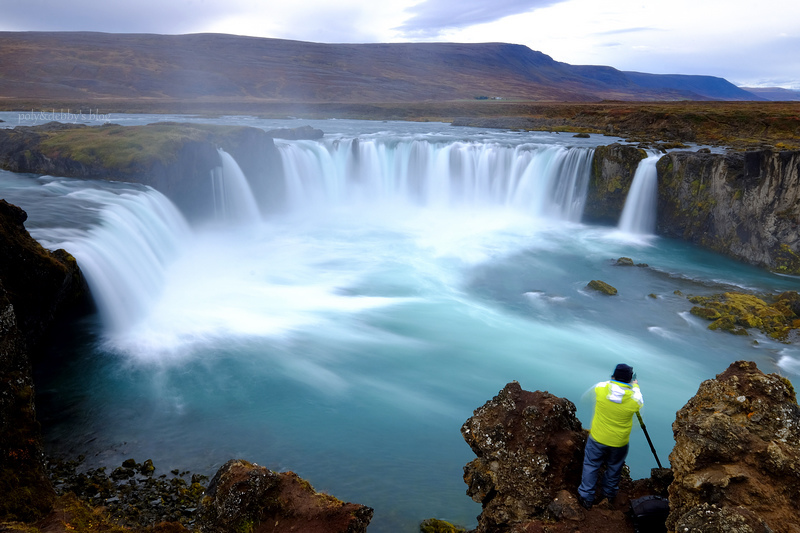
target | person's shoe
x=609, y=498
x=586, y=504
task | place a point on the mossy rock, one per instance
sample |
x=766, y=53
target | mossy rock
x=737, y=312
x=602, y=286
x=625, y=261
x=434, y=525
x=705, y=312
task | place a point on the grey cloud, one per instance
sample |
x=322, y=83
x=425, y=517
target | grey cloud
x=433, y=16
x=142, y=16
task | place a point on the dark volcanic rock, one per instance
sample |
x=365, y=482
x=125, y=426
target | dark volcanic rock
x=736, y=459
x=295, y=134
x=246, y=497
x=36, y=287
x=529, y=447
x=745, y=205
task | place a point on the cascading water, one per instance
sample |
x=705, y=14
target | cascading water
x=540, y=180
x=124, y=256
x=639, y=214
x=409, y=277
x=233, y=198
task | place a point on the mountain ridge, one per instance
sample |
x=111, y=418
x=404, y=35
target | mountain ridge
x=92, y=65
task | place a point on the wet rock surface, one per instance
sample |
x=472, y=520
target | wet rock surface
x=243, y=496
x=736, y=459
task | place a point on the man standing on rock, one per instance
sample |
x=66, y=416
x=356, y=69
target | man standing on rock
x=616, y=402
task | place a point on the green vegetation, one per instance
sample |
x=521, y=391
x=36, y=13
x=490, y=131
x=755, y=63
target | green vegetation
x=434, y=525
x=737, y=312
x=740, y=125
x=126, y=148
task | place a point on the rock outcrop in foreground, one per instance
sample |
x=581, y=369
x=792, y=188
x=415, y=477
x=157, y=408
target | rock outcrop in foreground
x=529, y=447
x=530, y=453
x=246, y=497
x=737, y=455
x=736, y=462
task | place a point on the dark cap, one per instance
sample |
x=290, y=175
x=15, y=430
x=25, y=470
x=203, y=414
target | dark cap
x=623, y=373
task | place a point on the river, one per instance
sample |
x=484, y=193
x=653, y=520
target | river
x=347, y=336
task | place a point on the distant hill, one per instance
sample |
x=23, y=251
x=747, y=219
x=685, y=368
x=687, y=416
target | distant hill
x=776, y=94
x=214, y=67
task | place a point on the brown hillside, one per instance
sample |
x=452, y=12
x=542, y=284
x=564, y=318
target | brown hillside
x=80, y=66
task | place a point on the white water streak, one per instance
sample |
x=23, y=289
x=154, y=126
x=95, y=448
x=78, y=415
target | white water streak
x=639, y=214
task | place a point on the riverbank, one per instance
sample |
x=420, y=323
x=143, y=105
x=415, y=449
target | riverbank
x=739, y=125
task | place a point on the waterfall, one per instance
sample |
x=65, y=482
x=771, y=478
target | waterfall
x=541, y=180
x=639, y=214
x=233, y=199
x=124, y=256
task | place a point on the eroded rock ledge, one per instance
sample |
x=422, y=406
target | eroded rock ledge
x=745, y=205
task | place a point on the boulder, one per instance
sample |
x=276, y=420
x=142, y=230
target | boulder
x=736, y=459
x=602, y=286
x=529, y=447
x=248, y=498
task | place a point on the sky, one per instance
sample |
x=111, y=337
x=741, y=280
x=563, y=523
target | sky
x=752, y=44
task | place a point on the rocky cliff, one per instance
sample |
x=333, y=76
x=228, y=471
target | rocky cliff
x=36, y=288
x=176, y=159
x=745, y=205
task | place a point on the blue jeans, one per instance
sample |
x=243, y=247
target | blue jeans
x=594, y=456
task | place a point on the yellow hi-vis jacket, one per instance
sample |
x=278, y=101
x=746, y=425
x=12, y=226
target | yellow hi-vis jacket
x=615, y=404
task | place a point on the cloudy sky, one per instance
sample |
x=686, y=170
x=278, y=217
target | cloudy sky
x=748, y=43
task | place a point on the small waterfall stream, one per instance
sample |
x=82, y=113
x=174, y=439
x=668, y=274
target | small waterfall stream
x=639, y=214
x=233, y=198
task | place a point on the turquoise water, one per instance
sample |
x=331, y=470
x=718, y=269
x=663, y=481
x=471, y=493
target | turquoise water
x=349, y=342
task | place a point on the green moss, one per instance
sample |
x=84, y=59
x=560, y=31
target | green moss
x=736, y=312
x=434, y=525
x=602, y=286
x=127, y=148
x=706, y=312
x=787, y=261
x=245, y=526
x=615, y=184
